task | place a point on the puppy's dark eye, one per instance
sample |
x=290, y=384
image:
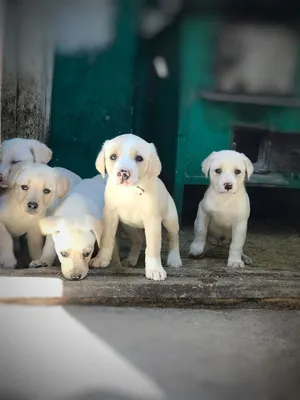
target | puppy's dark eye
x=113, y=157
x=218, y=171
x=46, y=191
x=139, y=158
x=86, y=254
x=64, y=254
x=237, y=171
x=15, y=162
x=24, y=187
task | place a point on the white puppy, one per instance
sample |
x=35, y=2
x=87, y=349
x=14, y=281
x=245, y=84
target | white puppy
x=137, y=197
x=74, y=228
x=34, y=190
x=224, y=211
x=18, y=150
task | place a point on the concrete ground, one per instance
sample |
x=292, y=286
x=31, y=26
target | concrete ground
x=272, y=281
x=97, y=353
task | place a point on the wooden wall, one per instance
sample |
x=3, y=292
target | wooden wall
x=26, y=71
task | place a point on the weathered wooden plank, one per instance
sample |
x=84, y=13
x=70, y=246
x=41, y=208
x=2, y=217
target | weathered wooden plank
x=9, y=84
x=2, y=29
x=34, y=69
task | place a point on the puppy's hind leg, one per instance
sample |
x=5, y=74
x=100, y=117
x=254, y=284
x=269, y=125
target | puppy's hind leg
x=7, y=257
x=172, y=226
x=247, y=260
x=136, y=238
x=200, y=233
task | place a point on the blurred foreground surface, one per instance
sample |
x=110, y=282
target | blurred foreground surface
x=124, y=354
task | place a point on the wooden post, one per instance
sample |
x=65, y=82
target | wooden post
x=2, y=30
x=34, y=72
x=9, y=74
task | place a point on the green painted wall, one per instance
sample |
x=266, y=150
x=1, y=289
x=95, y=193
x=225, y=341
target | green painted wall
x=92, y=98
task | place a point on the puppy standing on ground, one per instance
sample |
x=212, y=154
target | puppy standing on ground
x=137, y=197
x=34, y=190
x=18, y=150
x=224, y=211
x=74, y=228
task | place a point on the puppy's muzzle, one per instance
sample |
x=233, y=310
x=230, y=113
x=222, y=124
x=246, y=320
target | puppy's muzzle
x=124, y=175
x=75, y=277
x=228, y=186
x=32, y=206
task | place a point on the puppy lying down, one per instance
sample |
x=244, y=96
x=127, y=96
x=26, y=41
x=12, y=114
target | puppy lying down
x=224, y=211
x=35, y=190
x=74, y=228
x=19, y=150
x=136, y=196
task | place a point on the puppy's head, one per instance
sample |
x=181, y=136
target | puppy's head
x=128, y=160
x=36, y=186
x=17, y=151
x=227, y=170
x=74, y=243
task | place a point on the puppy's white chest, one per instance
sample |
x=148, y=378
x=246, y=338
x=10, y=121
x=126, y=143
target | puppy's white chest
x=129, y=206
x=20, y=227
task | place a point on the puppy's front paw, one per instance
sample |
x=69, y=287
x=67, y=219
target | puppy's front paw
x=174, y=259
x=38, y=264
x=99, y=262
x=8, y=261
x=130, y=261
x=196, y=249
x=235, y=264
x=247, y=260
x=154, y=270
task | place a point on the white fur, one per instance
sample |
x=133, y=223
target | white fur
x=74, y=228
x=19, y=150
x=137, y=197
x=28, y=185
x=223, y=214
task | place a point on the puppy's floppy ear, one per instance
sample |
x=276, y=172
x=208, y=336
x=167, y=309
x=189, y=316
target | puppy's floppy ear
x=95, y=225
x=205, y=166
x=13, y=175
x=154, y=165
x=63, y=185
x=249, y=166
x=49, y=225
x=100, y=160
x=40, y=152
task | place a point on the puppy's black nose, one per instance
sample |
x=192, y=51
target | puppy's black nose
x=75, y=277
x=32, y=205
x=124, y=173
x=227, y=185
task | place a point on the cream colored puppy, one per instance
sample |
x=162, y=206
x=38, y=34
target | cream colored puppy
x=18, y=150
x=137, y=197
x=35, y=190
x=74, y=228
x=224, y=211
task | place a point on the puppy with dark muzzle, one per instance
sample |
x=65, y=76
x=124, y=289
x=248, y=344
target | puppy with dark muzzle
x=35, y=190
x=224, y=211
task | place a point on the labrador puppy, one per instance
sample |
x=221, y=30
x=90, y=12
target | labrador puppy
x=224, y=211
x=18, y=150
x=35, y=190
x=137, y=197
x=74, y=228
